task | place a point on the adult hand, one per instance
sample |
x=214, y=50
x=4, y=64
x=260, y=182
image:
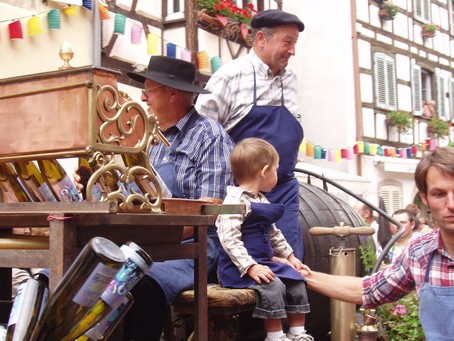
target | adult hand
x=297, y=264
x=260, y=273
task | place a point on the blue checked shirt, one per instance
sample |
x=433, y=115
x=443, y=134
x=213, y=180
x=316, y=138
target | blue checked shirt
x=200, y=149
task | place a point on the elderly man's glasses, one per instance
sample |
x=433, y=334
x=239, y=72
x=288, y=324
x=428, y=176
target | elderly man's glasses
x=145, y=91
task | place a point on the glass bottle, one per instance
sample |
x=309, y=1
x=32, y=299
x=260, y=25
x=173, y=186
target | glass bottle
x=137, y=263
x=79, y=289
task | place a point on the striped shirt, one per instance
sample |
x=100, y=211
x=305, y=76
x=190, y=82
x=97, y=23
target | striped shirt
x=200, y=149
x=407, y=271
x=232, y=90
x=229, y=230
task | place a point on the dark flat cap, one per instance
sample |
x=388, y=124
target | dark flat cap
x=275, y=17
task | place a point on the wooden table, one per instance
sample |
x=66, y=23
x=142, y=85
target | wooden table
x=73, y=224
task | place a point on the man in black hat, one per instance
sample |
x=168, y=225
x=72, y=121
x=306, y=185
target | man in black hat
x=256, y=96
x=194, y=166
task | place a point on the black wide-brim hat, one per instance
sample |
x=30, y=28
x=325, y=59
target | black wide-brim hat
x=171, y=72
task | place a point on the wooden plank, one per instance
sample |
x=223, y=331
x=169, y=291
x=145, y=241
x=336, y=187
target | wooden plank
x=46, y=208
x=24, y=258
x=223, y=209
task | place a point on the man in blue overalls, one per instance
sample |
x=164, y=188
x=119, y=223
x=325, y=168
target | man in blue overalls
x=255, y=96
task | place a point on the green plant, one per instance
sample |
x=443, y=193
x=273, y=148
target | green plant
x=368, y=255
x=438, y=127
x=431, y=27
x=227, y=8
x=399, y=321
x=390, y=7
x=403, y=121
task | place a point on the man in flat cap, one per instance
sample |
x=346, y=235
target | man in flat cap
x=256, y=96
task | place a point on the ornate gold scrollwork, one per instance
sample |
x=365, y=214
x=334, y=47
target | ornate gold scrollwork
x=121, y=118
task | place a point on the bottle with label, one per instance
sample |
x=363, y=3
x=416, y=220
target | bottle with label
x=58, y=181
x=11, y=186
x=106, y=327
x=146, y=186
x=79, y=289
x=35, y=294
x=33, y=179
x=14, y=314
x=137, y=263
x=85, y=172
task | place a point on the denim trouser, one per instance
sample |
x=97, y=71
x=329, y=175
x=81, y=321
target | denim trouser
x=279, y=297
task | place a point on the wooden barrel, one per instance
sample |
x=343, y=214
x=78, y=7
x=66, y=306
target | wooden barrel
x=320, y=208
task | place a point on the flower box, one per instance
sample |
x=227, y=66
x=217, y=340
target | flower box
x=224, y=27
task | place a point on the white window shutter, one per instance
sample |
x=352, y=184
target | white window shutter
x=416, y=88
x=390, y=72
x=385, y=82
x=451, y=98
x=441, y=97
x=391, y=197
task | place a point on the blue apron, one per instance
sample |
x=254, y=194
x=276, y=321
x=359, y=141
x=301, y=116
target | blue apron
x=255, y=237
x=279, y=127
x=177, y=275
x=433, y=301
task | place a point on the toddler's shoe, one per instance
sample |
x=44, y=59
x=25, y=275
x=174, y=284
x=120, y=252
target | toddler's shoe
x=282, y=338
x=299, y=337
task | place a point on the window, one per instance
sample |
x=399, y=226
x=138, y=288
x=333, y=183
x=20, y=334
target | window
x=426, y=85
x=175, y=9
x=391, y=196
x=422, y=9
x=429, y=109
x=385, y=81
x=416, y=88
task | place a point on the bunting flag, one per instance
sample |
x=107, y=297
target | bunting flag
x=87, y=4
x=171, y=50
x=53, y=19
x=120, y=21
x=103, y=11
x=136, y=34
x=153, y=44
x=318, y=152
x=34, y=26
x=70, y=11
x=206, y=64
x=15, y=30
x=186, y=55
x=203, y=61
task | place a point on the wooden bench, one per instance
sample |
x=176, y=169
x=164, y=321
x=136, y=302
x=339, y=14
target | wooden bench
x=223, y=305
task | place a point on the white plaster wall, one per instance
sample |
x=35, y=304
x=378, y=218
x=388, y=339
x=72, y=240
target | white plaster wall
x=323, y=63
x=40, y=53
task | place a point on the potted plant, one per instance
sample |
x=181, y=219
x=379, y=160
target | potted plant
x=402, y=120
x=400, y=320
x=387, y=10
x=224, y=18
x=430, y=30
x=438, y=128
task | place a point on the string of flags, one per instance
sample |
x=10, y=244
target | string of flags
x=318, y=152
x=35, y=23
